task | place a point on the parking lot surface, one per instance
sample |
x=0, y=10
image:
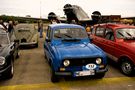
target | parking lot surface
x=32, y=72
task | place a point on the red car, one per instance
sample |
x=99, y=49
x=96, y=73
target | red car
x=118, y=41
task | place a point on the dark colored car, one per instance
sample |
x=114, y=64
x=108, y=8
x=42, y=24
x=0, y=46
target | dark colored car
x=8, y=53
x=118, y=41
x=70, y=53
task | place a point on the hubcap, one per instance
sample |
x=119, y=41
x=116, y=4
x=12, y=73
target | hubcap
x=126, y=67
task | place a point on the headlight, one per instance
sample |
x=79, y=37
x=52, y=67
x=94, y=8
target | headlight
x=98, y=60
x=2, y=60
x=66, y=63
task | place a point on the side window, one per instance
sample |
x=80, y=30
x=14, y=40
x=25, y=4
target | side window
x=100, y=31
x=109, y=34
x=49, y=33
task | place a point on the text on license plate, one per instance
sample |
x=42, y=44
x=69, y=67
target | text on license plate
x=84, y=73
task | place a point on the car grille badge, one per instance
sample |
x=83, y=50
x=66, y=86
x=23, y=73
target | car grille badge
x=90, y=66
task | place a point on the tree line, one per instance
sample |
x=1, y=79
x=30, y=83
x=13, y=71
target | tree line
x=6, y=18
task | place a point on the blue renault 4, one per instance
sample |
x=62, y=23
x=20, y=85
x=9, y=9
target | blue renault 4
x=69, y=51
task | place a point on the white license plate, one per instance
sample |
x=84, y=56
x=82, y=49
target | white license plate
x=84, y=73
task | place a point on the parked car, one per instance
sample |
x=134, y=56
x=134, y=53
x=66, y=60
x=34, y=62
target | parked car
x=69, y=52
x=26, y=34
x=8, y=52
x=118, y=41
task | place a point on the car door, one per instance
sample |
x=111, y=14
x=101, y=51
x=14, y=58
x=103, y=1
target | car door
x=47, y=44
x=98, y=36
x=14, y=45
x=109, y=43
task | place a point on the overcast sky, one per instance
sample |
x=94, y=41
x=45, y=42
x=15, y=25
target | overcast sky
x=32, y=7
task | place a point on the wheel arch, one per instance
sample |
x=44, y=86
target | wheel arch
x=10, y=58
x=124, y=58
x=126, y=66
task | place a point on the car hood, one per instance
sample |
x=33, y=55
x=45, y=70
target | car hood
x=4, y=50
x=78, y=50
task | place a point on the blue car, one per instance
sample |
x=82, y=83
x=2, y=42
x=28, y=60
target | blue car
x=70, y=53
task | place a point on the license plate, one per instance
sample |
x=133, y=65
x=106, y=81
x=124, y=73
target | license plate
x=84, y=73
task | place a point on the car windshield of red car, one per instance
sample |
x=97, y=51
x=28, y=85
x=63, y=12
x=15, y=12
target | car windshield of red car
x=126, y=33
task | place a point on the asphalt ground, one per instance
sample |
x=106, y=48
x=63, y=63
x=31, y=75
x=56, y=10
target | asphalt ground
x=32, y=72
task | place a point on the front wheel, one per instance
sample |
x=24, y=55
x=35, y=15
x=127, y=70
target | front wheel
x=54, y=78
x=10, y=72
x=126, y=68
x=100, y=75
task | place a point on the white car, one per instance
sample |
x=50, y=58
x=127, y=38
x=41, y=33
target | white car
x=26, y=34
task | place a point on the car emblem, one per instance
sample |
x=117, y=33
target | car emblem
x=90, y=66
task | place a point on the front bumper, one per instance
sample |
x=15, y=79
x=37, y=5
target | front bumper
x=30, y=43
x=71, y=74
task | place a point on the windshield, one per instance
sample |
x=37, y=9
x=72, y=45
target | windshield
x=126, y=33
x=3, y=39
x=70, y=33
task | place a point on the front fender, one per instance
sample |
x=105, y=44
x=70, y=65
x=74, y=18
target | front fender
x=56, y=59
x=52, y=55
x=103, y=54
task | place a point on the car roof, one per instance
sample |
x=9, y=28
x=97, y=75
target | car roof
x=115, y=26
x=64, y=25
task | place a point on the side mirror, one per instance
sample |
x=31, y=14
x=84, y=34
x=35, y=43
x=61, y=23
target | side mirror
x=88, y=33
x=47, y=39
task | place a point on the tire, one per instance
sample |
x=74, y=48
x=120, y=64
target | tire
x=126, y=68
x=45, y=55
x=54, y=78
x=100, y=75
x=10, y=72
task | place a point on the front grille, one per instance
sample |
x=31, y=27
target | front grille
x=81, y=62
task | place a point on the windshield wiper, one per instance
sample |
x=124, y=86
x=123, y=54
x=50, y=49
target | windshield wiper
x=131, y=37
x=68, y=36
x=121, y=34
x=57, y=36
x=129, y=34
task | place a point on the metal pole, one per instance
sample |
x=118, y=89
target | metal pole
x=40, y=10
